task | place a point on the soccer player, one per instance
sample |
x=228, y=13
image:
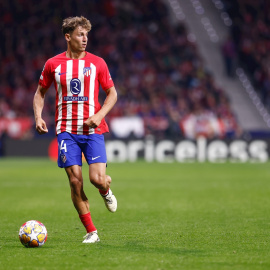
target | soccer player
x=77, y=76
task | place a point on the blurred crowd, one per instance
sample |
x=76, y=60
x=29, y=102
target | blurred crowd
x=250, y=34
x=157, y=70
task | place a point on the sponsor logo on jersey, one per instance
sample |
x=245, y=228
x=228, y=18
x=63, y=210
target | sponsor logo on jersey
x=75, y=89
x=61, y=73
x=75, y=86
x=75, y=98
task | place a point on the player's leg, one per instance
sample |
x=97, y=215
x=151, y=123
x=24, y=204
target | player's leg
x=78, y=196
x=98, y=177
x=81, y=203
x=95, y=154
x=70, y=158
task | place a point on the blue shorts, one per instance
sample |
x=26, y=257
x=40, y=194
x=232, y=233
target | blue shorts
x=71, y=147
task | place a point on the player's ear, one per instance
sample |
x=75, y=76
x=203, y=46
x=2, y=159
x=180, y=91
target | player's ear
x=67, y=37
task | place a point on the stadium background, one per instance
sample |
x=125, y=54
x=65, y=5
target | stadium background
x=192, y=76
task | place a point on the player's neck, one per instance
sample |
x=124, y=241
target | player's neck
x=75, y=55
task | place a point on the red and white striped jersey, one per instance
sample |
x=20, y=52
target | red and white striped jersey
x=77, y=83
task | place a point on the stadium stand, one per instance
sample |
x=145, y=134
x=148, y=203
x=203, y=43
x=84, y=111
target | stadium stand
x=250, y=33
x=159, y=74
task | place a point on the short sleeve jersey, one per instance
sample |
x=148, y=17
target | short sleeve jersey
x=77, y=83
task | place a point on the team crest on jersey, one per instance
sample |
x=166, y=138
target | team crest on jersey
x=87, y=71
x=75, y=86
x=63, y=158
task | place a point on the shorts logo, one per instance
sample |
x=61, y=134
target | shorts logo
x=87, y=71
x=75, y=86
x=63, y=158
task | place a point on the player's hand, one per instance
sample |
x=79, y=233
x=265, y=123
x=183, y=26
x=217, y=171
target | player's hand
x=41, y=126
x=93, y=121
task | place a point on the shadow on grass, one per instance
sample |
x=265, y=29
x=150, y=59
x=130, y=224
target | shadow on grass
x=139, y=247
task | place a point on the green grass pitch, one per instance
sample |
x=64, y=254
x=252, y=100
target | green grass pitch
x=170, y=216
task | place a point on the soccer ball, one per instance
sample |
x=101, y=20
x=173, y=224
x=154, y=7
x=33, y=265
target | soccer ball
x=33, y=234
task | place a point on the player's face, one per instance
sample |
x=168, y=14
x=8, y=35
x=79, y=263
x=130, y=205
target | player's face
x=78, y=39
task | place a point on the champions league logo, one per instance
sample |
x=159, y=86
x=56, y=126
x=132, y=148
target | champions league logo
x=75, y=86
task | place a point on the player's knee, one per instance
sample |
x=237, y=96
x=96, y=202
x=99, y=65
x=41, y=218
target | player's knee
x=75, y=184
x=108, y=180
x=98, y=180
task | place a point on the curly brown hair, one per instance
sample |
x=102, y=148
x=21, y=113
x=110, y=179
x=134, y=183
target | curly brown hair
x=71, y=23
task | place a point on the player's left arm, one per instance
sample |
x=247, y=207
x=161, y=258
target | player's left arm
x=95, y=120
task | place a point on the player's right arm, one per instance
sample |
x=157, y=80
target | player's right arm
x=38, y=104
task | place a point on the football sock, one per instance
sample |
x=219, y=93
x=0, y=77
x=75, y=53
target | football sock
x=87, y=222
x=103, y=192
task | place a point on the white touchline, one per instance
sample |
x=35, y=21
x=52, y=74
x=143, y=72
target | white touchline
x=93, y=158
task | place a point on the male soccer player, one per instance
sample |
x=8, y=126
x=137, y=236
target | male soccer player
x=79, y=117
